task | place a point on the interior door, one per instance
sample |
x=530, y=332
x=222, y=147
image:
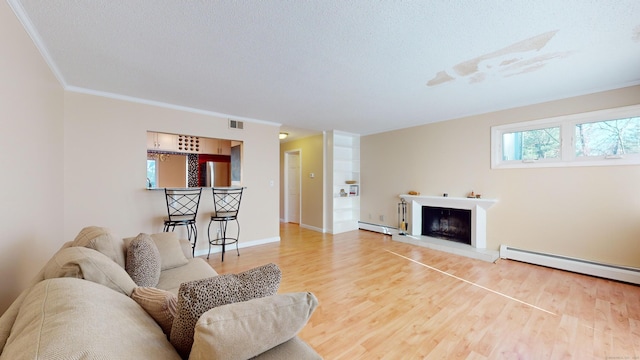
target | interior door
x=293, y=188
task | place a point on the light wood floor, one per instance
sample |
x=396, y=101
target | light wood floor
x=381, y=299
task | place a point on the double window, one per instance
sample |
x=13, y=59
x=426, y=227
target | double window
x=607, y=137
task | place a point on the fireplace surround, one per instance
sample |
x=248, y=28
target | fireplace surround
x=478, y=208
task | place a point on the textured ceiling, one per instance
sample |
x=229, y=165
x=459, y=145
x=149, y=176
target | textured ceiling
x=359, y=66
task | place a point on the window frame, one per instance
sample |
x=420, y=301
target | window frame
x=567, y=124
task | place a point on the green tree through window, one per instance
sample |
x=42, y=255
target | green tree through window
x=531, y=144
x=610, y=137
x=151, y=173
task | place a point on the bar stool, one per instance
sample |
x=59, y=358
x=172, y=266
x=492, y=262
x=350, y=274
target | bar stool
x=226, y=204
x=182, y=208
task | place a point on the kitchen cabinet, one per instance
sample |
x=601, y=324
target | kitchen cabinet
x=162, y=141
x=187, y=144
x=217, y=147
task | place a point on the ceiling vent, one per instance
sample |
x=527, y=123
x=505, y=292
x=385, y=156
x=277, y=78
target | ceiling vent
x=235, y=124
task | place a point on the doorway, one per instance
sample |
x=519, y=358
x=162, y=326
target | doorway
x=292, y=186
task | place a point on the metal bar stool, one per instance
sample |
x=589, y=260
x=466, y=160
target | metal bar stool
x=182, y=208
x=226, y=204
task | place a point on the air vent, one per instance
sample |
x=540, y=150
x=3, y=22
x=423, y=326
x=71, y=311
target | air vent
x=235, y=124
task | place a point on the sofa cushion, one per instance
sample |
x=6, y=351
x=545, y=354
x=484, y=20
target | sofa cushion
x=295, y=348
x=69, y=318
x=143, y=262
x=246, y=329
x=197, y=297
x=88, y=264
x=170, y=248
x=160, y=304
x=195, y=269
x=101, y=239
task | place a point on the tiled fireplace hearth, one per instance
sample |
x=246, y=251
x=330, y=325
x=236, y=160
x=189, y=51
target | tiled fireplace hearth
x=478, y=209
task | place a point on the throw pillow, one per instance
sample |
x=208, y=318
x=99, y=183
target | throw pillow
x=101, y=239
x=171, y=252
x=247, y=329
x=143, y=261
x=197, y=297
x=159, y=304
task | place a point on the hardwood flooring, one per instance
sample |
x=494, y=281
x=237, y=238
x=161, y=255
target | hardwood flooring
x=382, y=299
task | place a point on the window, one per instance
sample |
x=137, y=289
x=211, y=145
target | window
x=152, y=174
x=607, y=137
x=531, y=144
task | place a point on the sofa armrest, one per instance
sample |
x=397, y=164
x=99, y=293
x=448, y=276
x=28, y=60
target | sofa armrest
x=9, y=317
x=249, y=328
x=68, y=318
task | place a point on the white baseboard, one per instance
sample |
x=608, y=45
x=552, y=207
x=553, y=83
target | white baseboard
x=383, y=229
x=607, y=271
x=241, y=245
x=312, y=228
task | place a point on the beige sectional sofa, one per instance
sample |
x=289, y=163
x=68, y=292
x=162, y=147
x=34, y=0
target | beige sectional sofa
x=80, y=306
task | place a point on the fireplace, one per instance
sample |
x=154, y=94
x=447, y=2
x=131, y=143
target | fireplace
x=447, y=223
x=476, y=208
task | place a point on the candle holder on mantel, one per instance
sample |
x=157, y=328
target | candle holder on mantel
x=402, y=216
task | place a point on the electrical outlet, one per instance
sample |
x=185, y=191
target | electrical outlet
x=381, y=217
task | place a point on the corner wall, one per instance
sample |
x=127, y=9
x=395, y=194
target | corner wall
x=585, y=212
x=31, y=141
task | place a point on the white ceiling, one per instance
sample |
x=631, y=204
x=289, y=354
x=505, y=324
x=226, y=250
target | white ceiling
x=360, y=66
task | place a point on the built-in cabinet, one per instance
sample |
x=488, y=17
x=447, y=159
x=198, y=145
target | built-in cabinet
x=217, y=147
x=187, y=144
x=162, y=141
x=343, y=181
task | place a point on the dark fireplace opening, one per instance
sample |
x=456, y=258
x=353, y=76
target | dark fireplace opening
x=447, y=224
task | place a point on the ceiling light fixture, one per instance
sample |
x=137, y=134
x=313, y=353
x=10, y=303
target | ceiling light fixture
x=283, y=135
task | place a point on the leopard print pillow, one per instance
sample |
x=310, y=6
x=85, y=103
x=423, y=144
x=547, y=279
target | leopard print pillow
x=197, y=297
x=143, y=261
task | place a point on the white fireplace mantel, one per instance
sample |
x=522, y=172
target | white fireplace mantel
x=478, y=209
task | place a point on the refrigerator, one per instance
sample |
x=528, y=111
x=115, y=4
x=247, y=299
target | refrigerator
x=214, y=173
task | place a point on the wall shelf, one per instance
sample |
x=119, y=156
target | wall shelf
x=343, y=164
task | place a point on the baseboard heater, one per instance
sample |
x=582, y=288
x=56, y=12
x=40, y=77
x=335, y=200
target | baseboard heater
x=614, y=272
x=377, y=228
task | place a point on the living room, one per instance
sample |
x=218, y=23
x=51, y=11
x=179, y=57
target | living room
x=555, y=210
x=76, y=158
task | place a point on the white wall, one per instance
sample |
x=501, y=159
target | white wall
x=585, y=212
x=31, y=139
x=105, y=168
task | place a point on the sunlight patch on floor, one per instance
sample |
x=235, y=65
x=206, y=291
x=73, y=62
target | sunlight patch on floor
x=471, y=283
